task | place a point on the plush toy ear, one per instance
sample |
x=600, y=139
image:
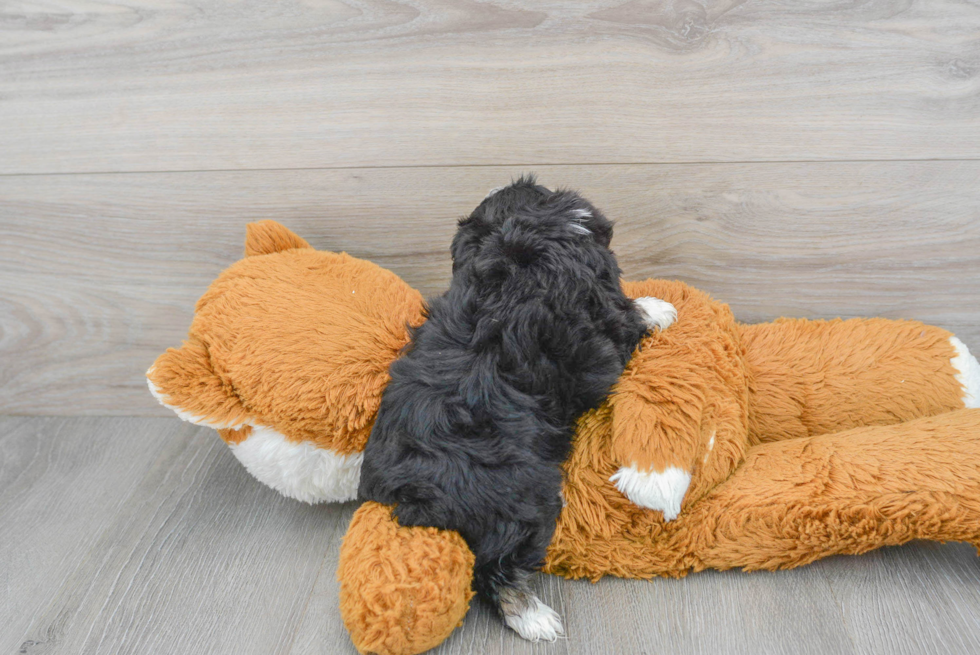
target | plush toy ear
x=267, y=237
x=182, y=379
x=402, y=590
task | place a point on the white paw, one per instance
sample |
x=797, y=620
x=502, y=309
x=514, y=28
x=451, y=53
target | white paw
x=967, y=373
x=536, y=622
x=660, y=491
x=656, y=312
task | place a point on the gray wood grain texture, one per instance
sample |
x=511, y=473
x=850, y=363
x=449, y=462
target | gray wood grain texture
x=59, y=492
x=140, y=85
x=197, y=557
x=99, y=273
x=143, y=535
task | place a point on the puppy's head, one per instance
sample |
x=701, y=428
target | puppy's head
x=528, y=209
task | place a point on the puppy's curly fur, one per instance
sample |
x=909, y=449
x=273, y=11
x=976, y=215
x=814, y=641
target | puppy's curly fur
x=481, y=407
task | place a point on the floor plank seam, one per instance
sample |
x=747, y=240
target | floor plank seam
x=733, y=162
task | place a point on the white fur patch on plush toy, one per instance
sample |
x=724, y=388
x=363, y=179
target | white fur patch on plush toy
x=660, y=491
x=656, y=312
x=299, y=470
x=968, y=373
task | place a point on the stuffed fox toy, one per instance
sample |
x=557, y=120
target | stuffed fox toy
x=723, y=445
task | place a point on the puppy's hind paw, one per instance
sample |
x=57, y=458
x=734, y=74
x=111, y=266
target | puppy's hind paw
x=660, y=491
x=532, y=619
x=656, y=313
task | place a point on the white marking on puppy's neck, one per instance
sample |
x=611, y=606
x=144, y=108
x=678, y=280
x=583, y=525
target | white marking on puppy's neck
x=656, y=313
x=578, y=227
x=535, y=621
x=582, y=213
x=968, y=373
x=660, y=491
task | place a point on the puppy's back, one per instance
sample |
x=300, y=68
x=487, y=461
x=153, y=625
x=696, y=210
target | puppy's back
x=533, y=330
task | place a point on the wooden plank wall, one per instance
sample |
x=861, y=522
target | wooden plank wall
x=812, y=159
x=151, y=85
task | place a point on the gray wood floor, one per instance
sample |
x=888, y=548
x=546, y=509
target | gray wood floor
x=815, y=159
x=145, y=535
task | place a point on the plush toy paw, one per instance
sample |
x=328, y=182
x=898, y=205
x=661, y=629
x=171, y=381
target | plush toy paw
x=656, y=312
x=526, y=615
x=403, y=590
x=660, y=491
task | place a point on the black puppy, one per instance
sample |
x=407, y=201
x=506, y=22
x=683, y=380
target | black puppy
x=480, y=411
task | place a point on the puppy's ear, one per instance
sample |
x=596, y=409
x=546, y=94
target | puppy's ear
x=183, y=380
x=602, y=229
x=267, y=237
x=588, y=216
x=469, y=234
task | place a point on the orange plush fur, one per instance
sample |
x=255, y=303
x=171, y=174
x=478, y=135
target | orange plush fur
x=801, y=438
x=403, y=588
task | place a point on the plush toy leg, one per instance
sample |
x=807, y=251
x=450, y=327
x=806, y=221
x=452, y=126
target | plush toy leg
x=641, y=481
x=816, y=377
x=796, y=501
x=679, y=419
x=402, y=590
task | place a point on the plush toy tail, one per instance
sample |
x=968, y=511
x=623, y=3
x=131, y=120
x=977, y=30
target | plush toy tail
x=796, y=501
x=402, y=590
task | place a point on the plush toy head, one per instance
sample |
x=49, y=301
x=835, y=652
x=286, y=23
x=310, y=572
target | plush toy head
x=287, y=357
